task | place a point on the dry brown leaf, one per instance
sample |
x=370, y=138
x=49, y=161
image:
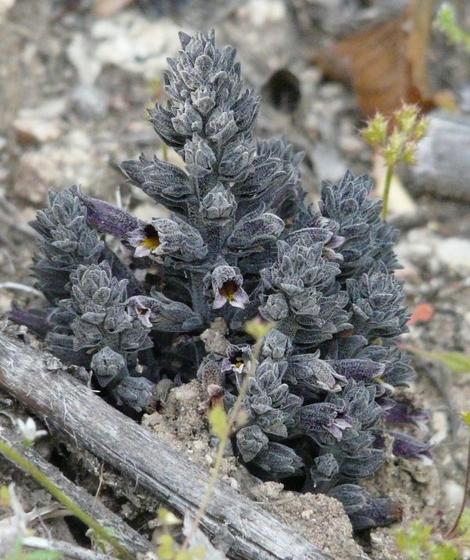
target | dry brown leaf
x=386, y=64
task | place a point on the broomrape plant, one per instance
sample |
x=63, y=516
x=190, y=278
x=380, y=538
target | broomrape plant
x=240, y=244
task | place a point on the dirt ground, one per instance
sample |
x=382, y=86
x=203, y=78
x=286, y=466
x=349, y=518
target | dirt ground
x=73, y=93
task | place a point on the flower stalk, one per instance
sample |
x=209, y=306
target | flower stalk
x=396, y=140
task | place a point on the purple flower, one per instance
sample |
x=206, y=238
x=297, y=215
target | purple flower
x=163, y=314
x=237, y=358
x=227, y=285
x=410, y=448
x=107, y=218
x=146, y=240
x=357, y=369
x=167, y=236
x=366, y=511
x=324, y=417
x=405, y=413
x=139, y=308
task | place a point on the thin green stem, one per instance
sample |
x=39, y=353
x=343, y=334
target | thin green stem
x=101, y=532
x=388, y=184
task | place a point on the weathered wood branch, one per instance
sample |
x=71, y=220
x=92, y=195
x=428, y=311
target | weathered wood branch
x=75, y=411
x=130, y=538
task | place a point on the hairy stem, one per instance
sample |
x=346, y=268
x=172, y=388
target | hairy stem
x=101, y=532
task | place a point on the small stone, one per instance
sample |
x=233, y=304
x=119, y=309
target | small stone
x=440, y=427
x=5, y=300
x=74, y=159
x=132, y=42
x=126, y=510
x=329, y=164
x=152, y=420
x=267, y=491
x=232, y=482
x=261, y=13
x=415, y=246
x=89, y=101
x=40, y=124
x=30, y=131
x=199, y=445
x=330, y=90
x=33, y=177
x=454, y=253
x=311, y=76
x=464, y=95
x=351, y=145
x=80, y=54
x=187, y=393
x=307, y=514
x=453, y=492
x=5, y=6
x=53, y=364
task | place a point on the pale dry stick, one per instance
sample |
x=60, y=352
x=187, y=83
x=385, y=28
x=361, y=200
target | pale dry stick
x=21, y=288
x=118, y=197
x=53, y=511
x=69, y=550
x=451, y=532
x=100, y=484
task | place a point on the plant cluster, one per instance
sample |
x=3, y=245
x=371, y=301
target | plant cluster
x=240, y=242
